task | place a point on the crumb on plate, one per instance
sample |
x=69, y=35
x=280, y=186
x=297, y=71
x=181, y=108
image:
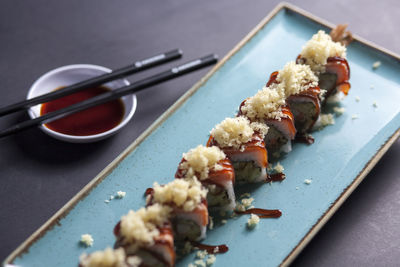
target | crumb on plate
x=376, y=65
x=246, y=202
x=87, y=240
x=121, y=194
x=307, y=181
x=279, y=168
x=211, y=259
x=253, y=221
x=324, y=120
x=339, y=110
x=201, y=254
x=199, y=263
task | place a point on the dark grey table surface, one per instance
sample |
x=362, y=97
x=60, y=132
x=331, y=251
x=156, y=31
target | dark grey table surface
x=38, y=175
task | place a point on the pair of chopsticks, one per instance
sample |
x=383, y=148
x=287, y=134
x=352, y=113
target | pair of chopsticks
x=107, y=96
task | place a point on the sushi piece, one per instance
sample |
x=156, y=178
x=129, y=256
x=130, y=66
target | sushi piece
x=187, y=200
x=268, y=106
x=302, y=94
x=327, y=59
x=341, y=35
x=214, y=170
x=243, y=144
x=109, y=258
x=147, y=233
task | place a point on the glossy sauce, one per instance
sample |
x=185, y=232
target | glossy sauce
x=262, y=213
x=255, y=145
x=149, y=191
x=215, y=177
x=91, y=121
x=210, y=248
x=303, y=138
x=117, y=229
x=276, y=177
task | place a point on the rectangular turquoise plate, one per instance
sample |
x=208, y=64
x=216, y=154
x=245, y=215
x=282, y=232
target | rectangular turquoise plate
x=336, y=163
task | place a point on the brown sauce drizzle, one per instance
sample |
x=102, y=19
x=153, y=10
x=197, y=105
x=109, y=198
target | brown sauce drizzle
x=149, y=191
x=276, y=177
x=262, y=213
x=217, y=249
x=304, y=138
x=117, y=229
x=94, y=120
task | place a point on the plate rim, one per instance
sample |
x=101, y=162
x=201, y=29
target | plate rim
x=85, y=191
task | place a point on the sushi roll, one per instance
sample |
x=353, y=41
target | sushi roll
x=243, y=144
x=268, y=106
x=109, y=258
x=214, y=170
x=147, y=233
x=302, y=94
x=327, y=59
x=187, y=200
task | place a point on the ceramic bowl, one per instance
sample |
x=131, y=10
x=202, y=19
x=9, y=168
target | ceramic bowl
x=71, y=74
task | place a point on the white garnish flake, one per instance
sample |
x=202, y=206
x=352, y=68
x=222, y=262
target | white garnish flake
x=324, y=120
x=376, y=65
x=279, y=168
x=199, y=263
x=87, y=240
x=246, y=202
x=339, y=110
x=210, y=260
x=201, y=254
x=307, y=181
x=121, y=194
x=253, y=221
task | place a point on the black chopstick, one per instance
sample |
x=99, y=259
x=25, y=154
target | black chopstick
x=93, y=82
x=114, y=94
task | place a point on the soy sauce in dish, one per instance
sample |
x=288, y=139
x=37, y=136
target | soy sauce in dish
x=91, y=121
